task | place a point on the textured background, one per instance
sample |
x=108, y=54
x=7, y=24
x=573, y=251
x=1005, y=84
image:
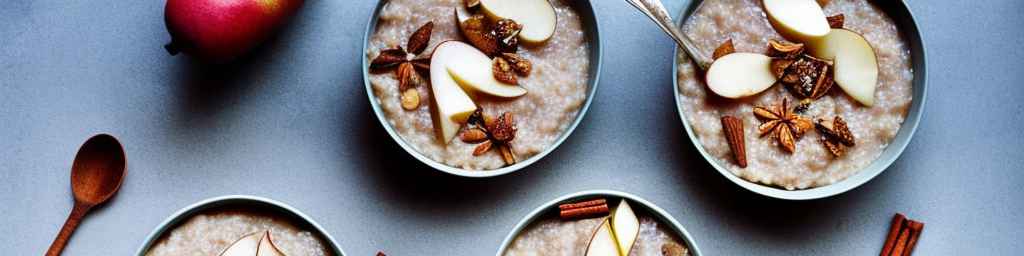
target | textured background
x=293, y=123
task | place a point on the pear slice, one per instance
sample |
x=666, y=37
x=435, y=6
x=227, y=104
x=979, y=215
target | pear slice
x=602, y=243
x=537, y=17
x=626, y=227
x=856, y=67
x=267, y=247
x=797, y=20
x=245, y=246
x=740, y=74
x=453, y=105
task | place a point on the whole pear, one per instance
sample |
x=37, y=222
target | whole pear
x=221, y=30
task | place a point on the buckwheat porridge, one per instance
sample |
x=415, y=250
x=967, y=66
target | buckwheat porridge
x=556, y=88
x=812, y=162
x=555, y=235
x=210, y=233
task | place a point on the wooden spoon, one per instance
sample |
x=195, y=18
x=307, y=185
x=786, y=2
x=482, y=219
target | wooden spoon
x=96, y=175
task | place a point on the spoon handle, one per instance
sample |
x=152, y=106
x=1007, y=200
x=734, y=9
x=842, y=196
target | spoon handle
x=69, y=227
x=656, y=11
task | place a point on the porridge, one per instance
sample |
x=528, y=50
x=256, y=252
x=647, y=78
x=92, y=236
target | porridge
x=212, y=232
x=556, y=88
x=557, y=235
x=808, y=161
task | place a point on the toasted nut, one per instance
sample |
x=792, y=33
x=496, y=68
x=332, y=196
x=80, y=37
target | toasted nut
x=474, y=29
x=724, y=49
x=410, y=99
x=475, y=135
x=733, y=129
x=482, y=148
x=784, y=49
x=504, y=128
x=472, y=3
x=503, y=71
x=507, y=154
x=836, y=21
x=521, y=65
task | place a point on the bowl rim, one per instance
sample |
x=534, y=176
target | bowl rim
x=596, y=55
x=651, y=208
x=186, y=212
x=910, y=31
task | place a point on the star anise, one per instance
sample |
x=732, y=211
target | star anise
x=408, y=66
x=488, y=132
x=782, y=124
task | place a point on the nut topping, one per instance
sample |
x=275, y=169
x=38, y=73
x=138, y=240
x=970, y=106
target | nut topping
x=470, y=4
x=784, y=50
x=474, y=135
x=410, y=99
x=476, y=33
x=808, y=77
x=724, y=49
x=504, y=128
x=498, y=131
x=503, y=71
x=407, y=75
x=507, y=32
x=782, y=124
x=836, y=21
x=521, y=65
x=835, y=134
x=482, y=148
x=733, y=129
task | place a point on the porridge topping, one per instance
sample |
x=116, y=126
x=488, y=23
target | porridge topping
x=582, y=210
x=725, y=49
x=808, y=77
x=255, y=244
x=503, y=71
x=784, y=50
x=487, y=132
x=521, y=65
x=408, y=66
x=836, y=21
x=835, y=135
x=673, y=249
x=903, y=235
x=783, y=124
x=733, y=129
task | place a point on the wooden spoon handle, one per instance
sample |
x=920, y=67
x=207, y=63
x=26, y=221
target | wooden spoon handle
x=69, y=227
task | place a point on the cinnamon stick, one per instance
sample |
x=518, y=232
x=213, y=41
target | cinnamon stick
x=901, y=243
x=915, y=232
x=894, y=231
x=586, y=209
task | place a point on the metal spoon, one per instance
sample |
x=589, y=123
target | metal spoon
x=96, y=176
x=656, y=11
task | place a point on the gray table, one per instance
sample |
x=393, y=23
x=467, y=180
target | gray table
x=293, y=124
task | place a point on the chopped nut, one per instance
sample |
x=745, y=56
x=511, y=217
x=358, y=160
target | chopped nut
x=779, y=66
x=507, y=154
x=507, y=32
x=474, y=135
x=476, y=33
x=503, y=71
x=808, y=77
x=673, y=249
x=832, y=147
x=482, y=148
x=472, y=3
x=724, y=49
x=420, y=39
x=836, y=21
x=784, y=50
x=410, y=99
x=834, y=135
x=733, y=129
x=521, y=65
x=504, y=128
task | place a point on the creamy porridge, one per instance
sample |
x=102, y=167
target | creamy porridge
x=557, y=86
x=210, y=233
x=555, y=236
x=811, y=164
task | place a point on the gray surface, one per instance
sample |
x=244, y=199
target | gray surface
x=294, y=124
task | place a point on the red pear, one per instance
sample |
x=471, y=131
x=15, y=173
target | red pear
x=222, y=30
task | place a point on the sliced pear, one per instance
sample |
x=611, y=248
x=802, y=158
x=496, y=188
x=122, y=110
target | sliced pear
x=536, y=16
x=453, y=105
x=625, y=226
x=475, y=74
x=602, y=243
x=267, y=247
x=245, y=246
x=740, y=74
x=797, y=20
x=856, y=67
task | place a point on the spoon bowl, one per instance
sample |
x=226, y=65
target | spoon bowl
x=96, y=176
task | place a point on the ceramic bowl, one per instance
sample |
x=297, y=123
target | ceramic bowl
x=590, y=27
x=248, y=202
x=641, y=205
x=900, y=13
